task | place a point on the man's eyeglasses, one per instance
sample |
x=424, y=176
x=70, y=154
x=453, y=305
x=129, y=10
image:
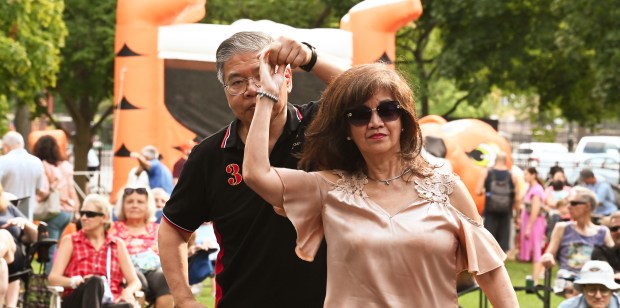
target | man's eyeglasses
x=576, y=203
x=614, y=228
x=388, y=111
x=591, y=289
x=139, y=190
x=238, y=86
x=90, y=214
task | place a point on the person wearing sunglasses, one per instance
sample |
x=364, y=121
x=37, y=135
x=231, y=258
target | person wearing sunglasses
x=392, y=221
x=255, y=267
x=597, y=287
x=136, y=226
x=91, y=264
x=573, y=242
x=611, y=255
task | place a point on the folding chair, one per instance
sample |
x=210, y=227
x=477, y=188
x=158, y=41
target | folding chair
x=38, y=249
x=465, y=283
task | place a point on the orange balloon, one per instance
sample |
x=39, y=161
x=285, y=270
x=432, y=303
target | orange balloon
x=471, y=145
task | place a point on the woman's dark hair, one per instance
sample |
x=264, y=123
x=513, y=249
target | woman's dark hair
x=47, y=149
x=534, y=172
x=326, y=146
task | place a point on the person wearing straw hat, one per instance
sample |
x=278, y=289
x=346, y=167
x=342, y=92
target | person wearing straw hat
x=597, y=286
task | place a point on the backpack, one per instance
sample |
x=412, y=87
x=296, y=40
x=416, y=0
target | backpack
x=499, y=196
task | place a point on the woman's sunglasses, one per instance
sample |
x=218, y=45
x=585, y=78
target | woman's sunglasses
x=139, y=190
x=388, y=111
x=90, y=214
x=576, y=203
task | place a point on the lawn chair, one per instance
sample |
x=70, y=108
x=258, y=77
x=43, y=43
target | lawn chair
x=534, y=289
x=35, y=283
x=465, y=283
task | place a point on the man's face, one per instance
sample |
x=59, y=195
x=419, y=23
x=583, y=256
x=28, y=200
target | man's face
x=590, y=181
x=597, y=295
x=614, y=227
x=246, y=65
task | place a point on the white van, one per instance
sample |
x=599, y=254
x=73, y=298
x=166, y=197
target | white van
x=599, y=153
x=589, y=145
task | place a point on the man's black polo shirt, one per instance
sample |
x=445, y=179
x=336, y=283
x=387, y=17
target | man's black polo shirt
x=257, y=265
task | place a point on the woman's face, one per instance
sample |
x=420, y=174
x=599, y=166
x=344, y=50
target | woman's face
x=577, y=206
x=381, y=134
x=559, y=176
x=135, y=206
x=89, y=221
x=527, y=176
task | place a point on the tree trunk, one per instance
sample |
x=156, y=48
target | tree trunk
x=424, y=103
x=81, y=145
x=23, y=124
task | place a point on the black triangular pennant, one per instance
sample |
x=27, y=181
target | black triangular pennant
x=127, y=52
x=122, y=151
x=126, y=105
x=385, y=59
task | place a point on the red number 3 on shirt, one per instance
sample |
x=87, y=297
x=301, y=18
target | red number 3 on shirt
x=236, y=178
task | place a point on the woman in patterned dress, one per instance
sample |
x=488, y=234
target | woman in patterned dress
x=398, y=230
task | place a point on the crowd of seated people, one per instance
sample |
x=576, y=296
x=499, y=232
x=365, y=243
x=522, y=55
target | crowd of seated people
x=86, y=236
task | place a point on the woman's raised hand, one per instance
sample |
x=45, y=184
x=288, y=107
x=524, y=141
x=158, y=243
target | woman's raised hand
x=271, y=75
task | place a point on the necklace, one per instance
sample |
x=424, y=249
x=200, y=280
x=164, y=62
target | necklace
x=387, y=181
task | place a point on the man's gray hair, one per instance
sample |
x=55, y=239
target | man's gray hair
x=150, y=152
x=240, y=42
x=13, y=140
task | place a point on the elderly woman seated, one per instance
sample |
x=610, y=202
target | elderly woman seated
x=573, y=242
x=135, y=212
x=597, y=287
x=92, y=263
x=14, y=227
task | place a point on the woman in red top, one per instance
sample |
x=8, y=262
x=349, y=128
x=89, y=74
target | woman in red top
x=85, y=258
x=136, y=226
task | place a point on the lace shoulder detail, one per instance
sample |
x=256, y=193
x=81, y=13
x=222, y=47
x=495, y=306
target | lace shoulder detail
x=351, y=184
x=436, y=187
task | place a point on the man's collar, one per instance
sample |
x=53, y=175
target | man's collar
x=231, y=137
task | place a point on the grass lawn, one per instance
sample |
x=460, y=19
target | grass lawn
x=206, y=297
x=516, y=270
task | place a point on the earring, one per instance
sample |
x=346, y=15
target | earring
x=348, y=138
x=402, y=129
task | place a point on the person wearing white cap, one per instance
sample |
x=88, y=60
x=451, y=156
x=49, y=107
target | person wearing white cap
x=597, y=286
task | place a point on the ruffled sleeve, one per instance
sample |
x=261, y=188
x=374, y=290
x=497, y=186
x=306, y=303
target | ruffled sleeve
x=303, y=204
x=478, y=251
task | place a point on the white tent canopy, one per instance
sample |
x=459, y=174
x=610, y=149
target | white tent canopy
x=199, y=42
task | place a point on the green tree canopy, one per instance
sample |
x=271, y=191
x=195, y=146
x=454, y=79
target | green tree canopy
x=31, y=35
x=565, y=53
x=86, y=78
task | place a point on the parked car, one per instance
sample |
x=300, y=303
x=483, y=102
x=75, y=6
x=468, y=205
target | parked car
x=605, y=167
x=592, y=145
x=542, y=156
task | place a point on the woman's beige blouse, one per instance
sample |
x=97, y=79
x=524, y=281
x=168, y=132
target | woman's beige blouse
x=410, y=259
